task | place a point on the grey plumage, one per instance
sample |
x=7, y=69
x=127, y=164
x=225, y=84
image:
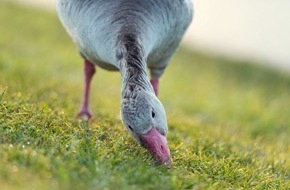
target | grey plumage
x=157, y=25
x=129, y=36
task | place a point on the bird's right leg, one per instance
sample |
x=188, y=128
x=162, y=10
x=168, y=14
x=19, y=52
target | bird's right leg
x=89, y=71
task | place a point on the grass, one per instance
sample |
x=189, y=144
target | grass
x=228, y=119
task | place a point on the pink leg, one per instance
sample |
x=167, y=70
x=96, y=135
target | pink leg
x=155, y=84
x=89, y=70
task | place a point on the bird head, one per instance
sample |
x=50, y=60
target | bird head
x=144, y=117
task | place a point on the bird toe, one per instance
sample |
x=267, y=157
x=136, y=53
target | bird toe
x=84, y=115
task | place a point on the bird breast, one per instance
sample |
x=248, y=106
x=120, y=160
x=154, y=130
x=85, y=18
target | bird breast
x=95, y=25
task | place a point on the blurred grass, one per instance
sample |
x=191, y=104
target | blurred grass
x=228, y=119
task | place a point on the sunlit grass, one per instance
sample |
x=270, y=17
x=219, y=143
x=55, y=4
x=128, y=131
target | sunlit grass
x=228, y=120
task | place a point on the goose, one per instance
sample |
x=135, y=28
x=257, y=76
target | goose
x=130, y=36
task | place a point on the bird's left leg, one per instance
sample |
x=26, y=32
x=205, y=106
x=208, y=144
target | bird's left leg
x=89, y=71
x=155, y=85
x=156, y=71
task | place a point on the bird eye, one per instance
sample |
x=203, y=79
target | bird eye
x=130, y=128
x=153, y=114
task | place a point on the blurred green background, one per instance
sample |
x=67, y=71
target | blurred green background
x=228, y=119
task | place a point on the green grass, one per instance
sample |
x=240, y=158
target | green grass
x=229, y=121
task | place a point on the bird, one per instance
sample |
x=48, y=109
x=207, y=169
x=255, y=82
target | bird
x=130, y=36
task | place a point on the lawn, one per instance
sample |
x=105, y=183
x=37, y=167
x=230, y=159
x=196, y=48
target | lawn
x=229, y=120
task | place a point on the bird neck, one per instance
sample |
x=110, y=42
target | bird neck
x=134, y=77
x=131, y=56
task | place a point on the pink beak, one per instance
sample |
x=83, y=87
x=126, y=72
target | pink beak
x=157, y=145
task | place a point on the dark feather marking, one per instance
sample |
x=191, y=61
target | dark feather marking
x=134, y=61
